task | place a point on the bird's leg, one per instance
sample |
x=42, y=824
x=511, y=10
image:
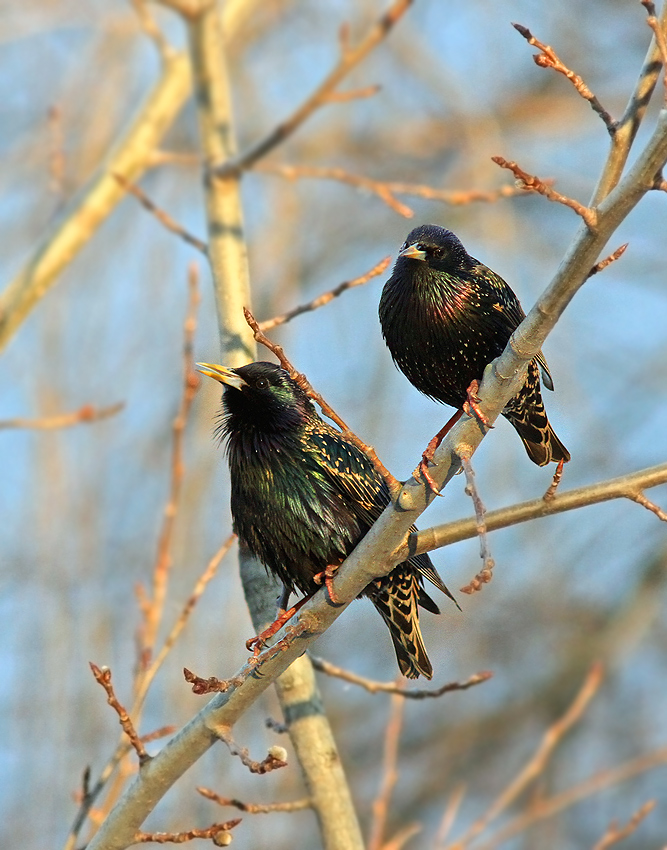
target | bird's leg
x=429, y=451
x=256, y=643
x=555, y=481
x=283, y=599
x=472, y=404
x=327, y=576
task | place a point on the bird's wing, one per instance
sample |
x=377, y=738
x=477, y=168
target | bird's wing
x=509, y=307
x=365, y=491
x=351, y=474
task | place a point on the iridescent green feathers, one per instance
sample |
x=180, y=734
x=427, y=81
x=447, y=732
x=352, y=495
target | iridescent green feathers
x=303, y=496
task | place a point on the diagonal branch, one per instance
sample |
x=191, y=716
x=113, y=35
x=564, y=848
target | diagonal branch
x=391, y=482
x=540, y=759
x=325, y=297
x=350, y=58
x=547, y=58
x=534, y=184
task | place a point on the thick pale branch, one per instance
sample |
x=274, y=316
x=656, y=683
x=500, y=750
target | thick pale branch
x=625, y=487
x=311, y=736
x=226, y=244
x=628, y=125
x=87, y=211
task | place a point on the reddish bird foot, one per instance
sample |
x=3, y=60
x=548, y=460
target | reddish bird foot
x=430, y=450
x=326, y=577
x=472, y=404
x=555, y=481
x=257, y=643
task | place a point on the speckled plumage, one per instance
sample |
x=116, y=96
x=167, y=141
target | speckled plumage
x=445, y=316
x=302, y=497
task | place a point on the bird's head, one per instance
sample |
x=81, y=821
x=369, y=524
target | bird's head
x=260, y=395
x=440, y=249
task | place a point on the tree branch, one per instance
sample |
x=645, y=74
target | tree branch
x=377, y=553
x=84, y=415
x=625, y=487
x=375, y=687
x=350, y=58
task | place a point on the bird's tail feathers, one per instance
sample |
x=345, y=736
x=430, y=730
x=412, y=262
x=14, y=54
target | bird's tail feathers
x=540, y=441
x=397, y=599
x=424, y=565
x=527, y=414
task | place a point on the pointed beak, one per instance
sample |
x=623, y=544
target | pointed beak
x=222, y=374
x=412, y=252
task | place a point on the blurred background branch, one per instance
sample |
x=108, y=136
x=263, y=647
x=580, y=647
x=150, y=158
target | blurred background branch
x=82, y=506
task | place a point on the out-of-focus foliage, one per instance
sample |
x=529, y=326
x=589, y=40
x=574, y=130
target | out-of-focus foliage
x=81, y=508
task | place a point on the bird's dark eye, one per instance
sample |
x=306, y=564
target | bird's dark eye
x=262, y=384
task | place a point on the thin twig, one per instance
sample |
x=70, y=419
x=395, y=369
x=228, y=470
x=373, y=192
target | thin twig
x=156, y=734
x=393, y=485
x=103, y=677
x=386, y=190
x=256, y=808
x=212, y=685
x=486, y=573
x=534, y=184
x=402, y=837
x=274, y=759
x=641, y=499
x=450, y=813
x=152, y=30
x=661, y=41
x=598, y=267
x=538, y=763
x=381, y=803
x=56, y=152
x=547, y=58
x=350, y=58
x=615, y=833
x=218, y=832
x=376, y=687
x=153, y=608
x=84, y=415
x=325, y=297
x=150, y=673
x=164, y=218
x=353, y=94
x=542, y=808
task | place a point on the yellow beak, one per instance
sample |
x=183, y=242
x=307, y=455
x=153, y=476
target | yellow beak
x=413, y=252
x=222, y=374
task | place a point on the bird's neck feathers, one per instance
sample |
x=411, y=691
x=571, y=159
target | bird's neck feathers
x=261, y=430
x=441, y=291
